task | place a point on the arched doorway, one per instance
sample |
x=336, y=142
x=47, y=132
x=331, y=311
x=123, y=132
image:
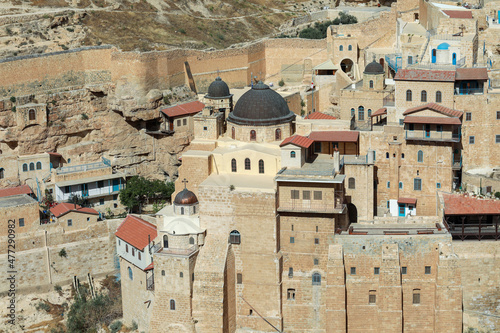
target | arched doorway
x=346, y=65
x=352, y=212
x=165, y=241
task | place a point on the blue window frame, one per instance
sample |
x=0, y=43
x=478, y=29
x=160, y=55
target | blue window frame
x=438, y=185
x=388, y=184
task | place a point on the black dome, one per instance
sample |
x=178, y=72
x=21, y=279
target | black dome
x=261, y=106
x=374, y=68
x=185, y=197
x=218, y=89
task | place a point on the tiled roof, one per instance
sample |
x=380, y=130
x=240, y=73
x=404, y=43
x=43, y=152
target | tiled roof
x=432, y=120
x=23, y=189
x=424, y=75
x=184, y=109
x=460, y=14
x=136, y=232
x=435, y=107
x=297, y=140
x=456, y=204
x=410, y=201
x=471, y=74
x=150, y=266
x=319, y=115
x=335, y=136
x=379, y=112
x=65, y=207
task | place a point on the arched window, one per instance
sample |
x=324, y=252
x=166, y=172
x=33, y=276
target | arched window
x=181, y=274
x=369, y=113
x=235, y=237
x=408, y=95
x=349, y=48
x=316, y=279
x=371, y=84
x=25, y=167
x=352, y=112
x=39, y=165
x=32, y=166
x=361, y=113
x=191, y=240
x=352, y=183
x=292, y=154
x=182, y=210
x=438, y=97
x=172, y=304
x=31, y=114
x=341, y=48
x=386, y=155
x=261, y=166
x=278, y=134
x=410, y=60
x=2, y=175
x=420, y=156
x=233, y=165
x=165, y=241
x=253, y=135
x=423, y=96
x=416, y=296
x=233, y=133
x=130, y=274
x=247, y=163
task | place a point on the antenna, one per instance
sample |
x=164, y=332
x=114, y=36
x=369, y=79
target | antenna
x=257, y=312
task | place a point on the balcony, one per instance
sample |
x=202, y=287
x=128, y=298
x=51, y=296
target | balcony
x=432, y=136
x=84, y=167
x=309, y=206
x=469, y=91
x=178, y=252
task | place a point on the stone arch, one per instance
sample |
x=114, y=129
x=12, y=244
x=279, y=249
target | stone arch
x=352, y=212
x=347, y=65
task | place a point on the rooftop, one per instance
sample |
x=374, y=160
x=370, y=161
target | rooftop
x=458, y=204
x=320, y=169
x=16, y=200
x=183, y=109
x=458, y=14
x=23, y=189
x=136, y=232
x=297, y=140
x=435, y=107
x=319, y=115
x=424, y=75
x=335, y=136
x=250, y=183
x=90, y=179
x=64, y=208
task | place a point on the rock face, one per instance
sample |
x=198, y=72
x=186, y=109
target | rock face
x=87, y=124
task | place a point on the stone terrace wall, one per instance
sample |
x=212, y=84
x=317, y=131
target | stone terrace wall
x=39, y=265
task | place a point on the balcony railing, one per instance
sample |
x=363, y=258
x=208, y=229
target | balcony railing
x=179, y=252
x=309, y=206
x=150, y=282
x=432, y=136
x=81, y=168
x=469, y=91
x=395, y=61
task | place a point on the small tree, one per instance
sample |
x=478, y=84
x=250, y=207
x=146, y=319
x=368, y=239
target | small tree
x=281, y=83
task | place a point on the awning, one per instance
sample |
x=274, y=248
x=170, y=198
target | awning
x=335, y=136
x=409, y=201
x=379, y=112
x=432, y=120
x=327, y=65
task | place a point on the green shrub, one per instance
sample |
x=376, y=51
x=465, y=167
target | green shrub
x=42, y=306
x=13, y=99
x=13, y=109
x=497, y=195
x=281, y=83
x=116, y=326
x=84, y=116
x=63, y=253
x=166, y=99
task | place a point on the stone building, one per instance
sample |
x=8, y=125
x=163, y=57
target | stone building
x=19, y=210
x=72, y=216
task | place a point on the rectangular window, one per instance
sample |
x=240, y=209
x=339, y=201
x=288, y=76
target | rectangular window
x=411, y=127
x=239, y=278
x=290, y=272
x=353, y=270
x=139, y=254
x=101, y=202
x=290, y=294
x=316, y=241
x=306, y=195
x=498, y=115
x=403, y=270
x=416, y=298
x=295, y=194
x=292, y=240
x=388, y=184
x=427, y=269
x=318, y=195
x=468, y=116
x=376, y=270
x=21, y=222
x=317, y=147
x=388, y=204
x=126, y=248
x=178, y=122
x=372, y=299
x=417, y=184
x=67, y=189
x=438, y=185
x=205, y=128
x=100, y=184
x=497, y=138
x=184, y=121
x=472, y=139
x=70, y=222
x=410, y=60
x=439, y=128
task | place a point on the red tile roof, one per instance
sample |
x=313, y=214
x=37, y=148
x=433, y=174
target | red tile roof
x=297, y=140
x=432, y=120
x=150, y=266
x=319, y=115
x=424, y=75
x=184, y=109
x=456, y=204
x=135, y=231
x=435, y=107
x=23, y=189
x=65, y=207
x=410, y=201
x=379, y=112
x=460, y=14
x=335, y=136
x=471, y=74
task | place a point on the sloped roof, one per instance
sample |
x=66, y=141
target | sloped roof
x=424, y=75
x=471, y=74
x=136, y=232
x=319, y=115
x=458, y=14
x=410, y=201
x=432, y=120
x=335, y=136
x=435, y=107
x=456, y=204
x=150, y=266
x=54, y=154
x=184, y=109
x=297, y=140
x=327, y=65
x=23, y=189
x=379, y=112
x=65, y=207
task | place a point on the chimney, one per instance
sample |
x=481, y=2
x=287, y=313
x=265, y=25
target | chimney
x=336, y=160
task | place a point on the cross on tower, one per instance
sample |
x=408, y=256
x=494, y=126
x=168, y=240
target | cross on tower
x=462, y=27
x=185, y=181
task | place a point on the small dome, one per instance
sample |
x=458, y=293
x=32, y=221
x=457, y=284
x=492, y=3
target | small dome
x=261, y=106
x=218, y=89
x=185, y=197
x=374, y=68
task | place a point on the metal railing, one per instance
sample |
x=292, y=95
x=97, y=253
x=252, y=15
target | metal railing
x=150, y=282
x=469, y=91
x=81, y=168
x=432, y=136
x=394, y=60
